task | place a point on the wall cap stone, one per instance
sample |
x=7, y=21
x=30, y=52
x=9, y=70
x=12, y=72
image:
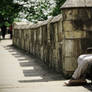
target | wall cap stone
x=77, y=4
x=46, y=21
x=22, y=25
x=56, y=18
x=36, y=25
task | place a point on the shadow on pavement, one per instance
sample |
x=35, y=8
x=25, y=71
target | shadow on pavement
x=33, y=68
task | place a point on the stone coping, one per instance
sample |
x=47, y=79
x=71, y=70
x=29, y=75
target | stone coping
x=77, y=3
x=24, y=25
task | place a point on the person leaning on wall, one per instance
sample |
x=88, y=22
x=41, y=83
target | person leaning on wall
x=78, y=77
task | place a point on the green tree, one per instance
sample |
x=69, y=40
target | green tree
x=56, y=9
x=8, y=11
x=37, y=11
x=32, y=10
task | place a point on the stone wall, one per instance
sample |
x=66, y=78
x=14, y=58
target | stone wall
x=58, y=41
x=77, y=31
x=43, y=40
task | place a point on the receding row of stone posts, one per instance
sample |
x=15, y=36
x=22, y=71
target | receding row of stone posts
x=60, y=40
x=43, y=40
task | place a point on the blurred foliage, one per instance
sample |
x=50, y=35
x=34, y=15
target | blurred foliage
x=32, y=10
x=57, y=9
x=36, y=10
x=8, y=11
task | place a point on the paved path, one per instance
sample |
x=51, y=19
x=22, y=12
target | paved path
x=20, y=72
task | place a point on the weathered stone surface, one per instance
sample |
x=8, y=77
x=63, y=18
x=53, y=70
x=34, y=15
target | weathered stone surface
x=89, y=3
x=68, y=26
x=77, y=3
x=70, y=14
x=77, y=26
x=75, y=34
x=70, y=64
x=22, y=25
x=60, y=40
x=80, y=14
x=56, y=19
x=73, y=47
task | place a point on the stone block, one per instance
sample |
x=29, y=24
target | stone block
x=70, y=14
x=41, y=52
x=75, y=34
x=68, y=26
x=77, y=14
x=73, y=47
x=59, y=28
x=69, y=64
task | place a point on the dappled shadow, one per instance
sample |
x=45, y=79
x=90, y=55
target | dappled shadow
x=34, y=70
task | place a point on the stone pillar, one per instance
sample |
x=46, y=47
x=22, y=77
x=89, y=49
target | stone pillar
x=55, y=43
x=77, y=32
